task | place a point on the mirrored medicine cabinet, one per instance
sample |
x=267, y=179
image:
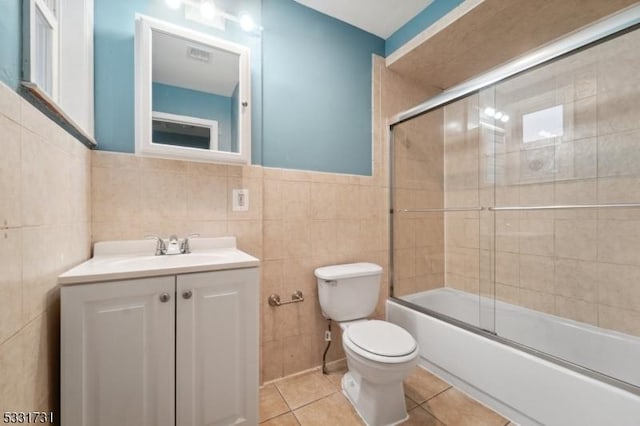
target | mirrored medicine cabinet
x=192, y=94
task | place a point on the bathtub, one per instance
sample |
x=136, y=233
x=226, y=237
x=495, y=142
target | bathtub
x=528, y=389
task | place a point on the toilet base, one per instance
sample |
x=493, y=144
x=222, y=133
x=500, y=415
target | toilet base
x=377, y=405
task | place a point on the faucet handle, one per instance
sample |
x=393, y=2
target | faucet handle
x=184, y=246
x=161, y=247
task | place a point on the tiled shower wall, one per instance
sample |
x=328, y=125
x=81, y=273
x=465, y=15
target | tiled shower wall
x=579, y=264
x=45, y=228
x=418, y=236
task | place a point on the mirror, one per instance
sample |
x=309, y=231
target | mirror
x=193, y=94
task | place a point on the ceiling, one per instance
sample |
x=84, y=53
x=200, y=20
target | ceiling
x=173, y=66
x=379, y=17
x=494, y=32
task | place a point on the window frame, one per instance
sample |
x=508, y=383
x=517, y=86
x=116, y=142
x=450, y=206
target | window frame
x=31, y=62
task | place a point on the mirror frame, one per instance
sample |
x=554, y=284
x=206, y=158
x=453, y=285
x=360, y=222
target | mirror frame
x=143, y=88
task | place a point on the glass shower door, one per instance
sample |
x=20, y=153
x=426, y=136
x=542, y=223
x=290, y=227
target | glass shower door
x=566, y=249
x=442, y=236
x=468, y=226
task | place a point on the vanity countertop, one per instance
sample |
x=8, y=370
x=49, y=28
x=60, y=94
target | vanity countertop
x=118, y=260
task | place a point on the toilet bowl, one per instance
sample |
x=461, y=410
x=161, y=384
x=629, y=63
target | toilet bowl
x=380, y=355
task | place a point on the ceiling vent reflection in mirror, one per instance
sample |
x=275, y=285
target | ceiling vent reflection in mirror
x=198, y=54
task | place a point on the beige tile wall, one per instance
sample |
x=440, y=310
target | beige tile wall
x=462, y=151
x=579, y=264
x=133, y=197
x=297, y=221
x=45, y=214
x=418, y=238
x=313, y=220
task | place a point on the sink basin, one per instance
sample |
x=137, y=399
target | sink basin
x=170, y=260
x=132, y=259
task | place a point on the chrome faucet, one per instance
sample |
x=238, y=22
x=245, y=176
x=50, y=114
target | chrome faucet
x=184, y=246
x=174, y=245
x=161, y=247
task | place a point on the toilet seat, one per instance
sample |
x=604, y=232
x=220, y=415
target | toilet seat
x=380, y=341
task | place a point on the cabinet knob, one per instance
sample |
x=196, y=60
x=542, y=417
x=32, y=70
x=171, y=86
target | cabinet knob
x=187, y=294
x=164, y=297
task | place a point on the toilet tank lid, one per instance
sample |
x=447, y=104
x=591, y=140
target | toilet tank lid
x=349, y=270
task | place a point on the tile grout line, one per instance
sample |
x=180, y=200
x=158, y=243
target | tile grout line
x=283, y=398
x=315, y=400
x=420, y=407
x=292, y=411
x=429, y=399
x=309, y=403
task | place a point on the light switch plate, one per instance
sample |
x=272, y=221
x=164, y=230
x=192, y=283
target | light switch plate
x=240, y=201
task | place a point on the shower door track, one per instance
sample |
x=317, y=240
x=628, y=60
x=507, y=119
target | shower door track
x=600, y=31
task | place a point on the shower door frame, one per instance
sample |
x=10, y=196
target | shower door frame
x=606, y=29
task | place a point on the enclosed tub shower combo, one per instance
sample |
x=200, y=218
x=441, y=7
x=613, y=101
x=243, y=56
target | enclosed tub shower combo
x=515, y=230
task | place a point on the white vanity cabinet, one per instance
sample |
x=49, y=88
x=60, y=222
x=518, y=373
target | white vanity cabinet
x=217, y=348
x=117, y=353
x=167, y=350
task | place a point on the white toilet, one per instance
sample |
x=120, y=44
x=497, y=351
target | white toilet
x=380, y=354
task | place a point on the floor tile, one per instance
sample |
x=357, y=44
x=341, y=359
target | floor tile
x=411, y=404
x=335, y=372
x=284, y=420
x=455, y=408
x=332, y=410
x=422, y=385
x=420, y=417
x=305, y=388
x=271, y=403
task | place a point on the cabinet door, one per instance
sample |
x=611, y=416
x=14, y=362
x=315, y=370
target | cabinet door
x=217, y=348
x=117, y=353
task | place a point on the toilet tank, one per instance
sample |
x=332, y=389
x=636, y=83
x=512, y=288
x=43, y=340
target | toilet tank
x=348, y=292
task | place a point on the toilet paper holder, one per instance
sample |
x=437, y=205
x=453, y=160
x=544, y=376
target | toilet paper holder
x=274, y=299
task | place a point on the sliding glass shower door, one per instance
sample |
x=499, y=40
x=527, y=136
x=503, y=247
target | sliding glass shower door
x=442, y=237
x=516, y=210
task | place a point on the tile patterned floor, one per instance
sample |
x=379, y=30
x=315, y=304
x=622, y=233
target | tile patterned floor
x=312, y=398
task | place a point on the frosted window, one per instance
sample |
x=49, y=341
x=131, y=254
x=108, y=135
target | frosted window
x=543, y=124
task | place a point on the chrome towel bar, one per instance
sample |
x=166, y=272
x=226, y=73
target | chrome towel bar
x=566, y=207
x=524, y=208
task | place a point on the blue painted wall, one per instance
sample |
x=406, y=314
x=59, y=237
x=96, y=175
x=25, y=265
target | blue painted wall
x=316, y=73
x=114, y=30
x=313, y=71
x=423, y=20
x=316, y=90
x=10, y=42
x=181, y=101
